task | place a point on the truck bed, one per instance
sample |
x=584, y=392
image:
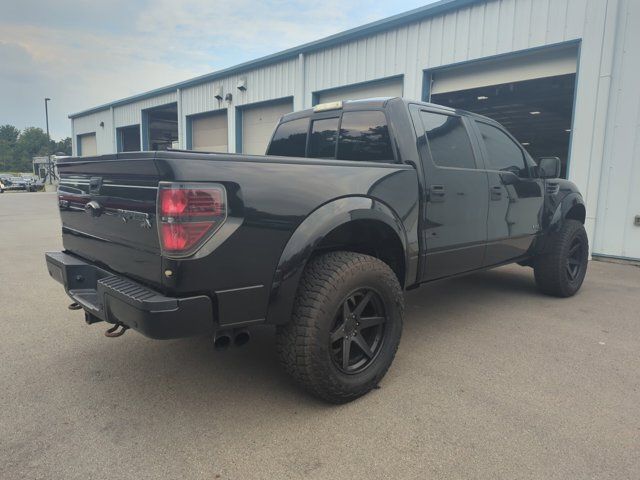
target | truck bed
x=268, y=198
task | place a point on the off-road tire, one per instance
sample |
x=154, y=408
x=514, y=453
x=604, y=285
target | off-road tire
x=550, y=268
x=303, y=344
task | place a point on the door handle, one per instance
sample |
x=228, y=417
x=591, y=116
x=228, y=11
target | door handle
x=496, y=192
x=437, y=193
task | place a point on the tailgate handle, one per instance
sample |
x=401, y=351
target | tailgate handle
x=95, y=183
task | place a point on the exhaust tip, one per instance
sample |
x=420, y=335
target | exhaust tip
x=222, y=342
x=241, y=338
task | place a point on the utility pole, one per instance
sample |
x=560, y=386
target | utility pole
x=46, y=114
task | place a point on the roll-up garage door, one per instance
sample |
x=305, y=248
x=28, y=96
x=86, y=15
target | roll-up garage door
x=209, y=133
x=386, y=88
x=258, y=124
x=88, y=145
x=530, y=94
x=505, y=70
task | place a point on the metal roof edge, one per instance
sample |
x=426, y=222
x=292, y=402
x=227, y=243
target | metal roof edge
x=416, y=14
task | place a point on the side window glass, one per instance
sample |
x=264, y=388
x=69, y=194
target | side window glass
x=502, y=153
x=324, y=135
x=448, y=140
x=364, y=136
x=290, y=139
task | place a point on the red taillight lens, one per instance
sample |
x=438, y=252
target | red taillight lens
x=188, y=214
x=172, y=201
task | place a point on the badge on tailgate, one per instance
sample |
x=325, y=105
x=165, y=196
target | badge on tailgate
x=143, y=219
x=95, y=184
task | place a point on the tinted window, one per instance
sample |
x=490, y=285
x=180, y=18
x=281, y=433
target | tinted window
x=502, y=152
x=448, y=140
x=364, y=136
x=290, y=139
x=324, y=134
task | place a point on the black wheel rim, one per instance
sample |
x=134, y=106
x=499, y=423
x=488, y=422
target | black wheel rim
x=358, y=331
x=575, y=260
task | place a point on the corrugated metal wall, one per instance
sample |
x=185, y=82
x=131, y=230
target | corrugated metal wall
x=131, y=113
x=271, y=82
x=482, y=30
x=619, y=197
x=91, y=124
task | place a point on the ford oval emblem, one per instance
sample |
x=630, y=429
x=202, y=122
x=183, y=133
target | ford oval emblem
x=93, y=208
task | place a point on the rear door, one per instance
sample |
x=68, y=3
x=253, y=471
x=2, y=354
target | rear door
x=516, y=195
x=456, y=195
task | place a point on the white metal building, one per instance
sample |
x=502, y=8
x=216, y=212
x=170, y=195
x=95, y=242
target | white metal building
x=562, y=75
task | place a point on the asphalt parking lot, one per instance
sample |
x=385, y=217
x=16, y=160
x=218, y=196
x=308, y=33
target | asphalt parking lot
x=492, y=380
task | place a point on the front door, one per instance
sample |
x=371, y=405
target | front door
x=515, y=195
x=454, y=222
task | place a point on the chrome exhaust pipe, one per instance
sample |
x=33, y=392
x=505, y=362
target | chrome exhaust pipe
x=241, y=337
x=221, y=340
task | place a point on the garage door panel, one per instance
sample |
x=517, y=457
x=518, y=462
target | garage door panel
x=389, y=88
x=258, y=124
x=505, y=70
x=209, y=133
x=88, y=145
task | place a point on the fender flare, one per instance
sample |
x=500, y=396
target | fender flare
x=310, y=233
x=542, y=244
x=566, y=204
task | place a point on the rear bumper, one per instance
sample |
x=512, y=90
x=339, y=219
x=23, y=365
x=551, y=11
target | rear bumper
x=116, y=299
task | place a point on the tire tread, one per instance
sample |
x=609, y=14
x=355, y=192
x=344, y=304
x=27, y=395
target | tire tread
x=549, y=267
x=296, y=340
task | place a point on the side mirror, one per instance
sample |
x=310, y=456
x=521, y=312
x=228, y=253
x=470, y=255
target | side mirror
x=549, y=167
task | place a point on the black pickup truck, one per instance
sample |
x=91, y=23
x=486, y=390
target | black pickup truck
x=354, y=203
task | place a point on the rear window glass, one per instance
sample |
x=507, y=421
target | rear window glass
x=364, y=136
x=324, y=134
x=290, y=139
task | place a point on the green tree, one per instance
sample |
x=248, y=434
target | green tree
x=17, y=148
x=31, y=142
x=63, y=146
x=8, y=139
x=9, y=133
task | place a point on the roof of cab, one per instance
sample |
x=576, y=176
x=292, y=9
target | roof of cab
x=378, y=102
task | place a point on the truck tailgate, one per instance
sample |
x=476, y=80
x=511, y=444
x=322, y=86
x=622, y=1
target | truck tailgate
x=108, y=208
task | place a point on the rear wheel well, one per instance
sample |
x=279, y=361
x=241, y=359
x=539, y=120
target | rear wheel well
x=370, y=237
x=577, y=212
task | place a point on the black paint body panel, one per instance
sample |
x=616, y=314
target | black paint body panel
x=281, y=208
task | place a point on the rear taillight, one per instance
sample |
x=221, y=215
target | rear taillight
x=188, y=214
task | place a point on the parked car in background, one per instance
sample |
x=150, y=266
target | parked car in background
x=16, y=183
x=353, y=204
x=24, y=183
x=33, y=183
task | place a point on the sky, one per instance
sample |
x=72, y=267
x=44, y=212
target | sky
x=84, y=53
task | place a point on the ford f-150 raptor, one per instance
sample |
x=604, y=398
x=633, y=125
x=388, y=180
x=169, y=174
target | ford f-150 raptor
x=353, y=203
